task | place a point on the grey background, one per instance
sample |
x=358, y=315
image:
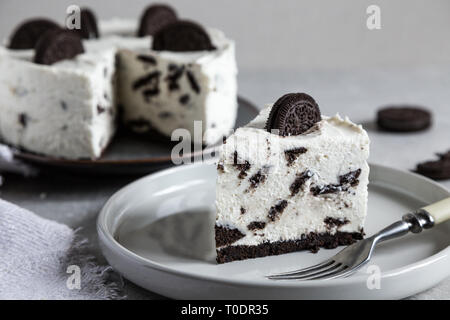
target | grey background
x=287, y=34
x=319, y=47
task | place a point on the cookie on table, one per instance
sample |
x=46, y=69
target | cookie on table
x=403, y=118
x=436, y=169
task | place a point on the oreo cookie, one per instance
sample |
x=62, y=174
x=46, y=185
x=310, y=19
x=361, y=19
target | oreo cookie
x=154, y=18
x=56, y=45
x=444, y=156
x=182, y=36
x=28, y=33
x=437, y=169
x=293, y=114
x=88, y=25
x=403, y=118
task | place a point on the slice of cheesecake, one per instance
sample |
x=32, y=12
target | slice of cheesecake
x=291, y=180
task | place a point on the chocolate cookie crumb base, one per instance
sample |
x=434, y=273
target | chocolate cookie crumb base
x=226, y=236
x=312, y=242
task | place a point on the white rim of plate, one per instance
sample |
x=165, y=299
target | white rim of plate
x=103, y=231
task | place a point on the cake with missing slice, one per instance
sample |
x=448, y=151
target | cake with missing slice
x=63, y=92
x=291, y=180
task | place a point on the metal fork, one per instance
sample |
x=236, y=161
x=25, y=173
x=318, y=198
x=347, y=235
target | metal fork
x=353, y=257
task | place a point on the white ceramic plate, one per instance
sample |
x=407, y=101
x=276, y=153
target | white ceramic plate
x=158, y=233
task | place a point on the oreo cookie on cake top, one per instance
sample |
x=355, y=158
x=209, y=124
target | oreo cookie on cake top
x=293, y=114
x=182, y=36
x=154, y=18
x=27, y=34
x=88, y=24
x=282, y=178
x=56, y=45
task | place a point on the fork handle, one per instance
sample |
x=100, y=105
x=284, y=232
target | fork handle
x=428, y=216
x=440, y=211
x=415, y=222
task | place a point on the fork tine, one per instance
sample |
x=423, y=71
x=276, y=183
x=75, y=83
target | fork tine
x=326, y=275
x=327, y=265
x=341, y=274
x=346, y=272
x=301, y=271
x=318, y=266
x=329, y=270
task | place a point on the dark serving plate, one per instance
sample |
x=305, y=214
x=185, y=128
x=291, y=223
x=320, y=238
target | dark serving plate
x=130, y=153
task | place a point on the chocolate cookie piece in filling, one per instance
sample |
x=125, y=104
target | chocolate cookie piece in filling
x=300, y=181
x=241, y=166
x=256, y=225
x=346, y=181
x=276, y=211
x=292, y=155
x=257, y=179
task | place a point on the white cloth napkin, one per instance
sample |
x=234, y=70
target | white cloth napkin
x=42, y=259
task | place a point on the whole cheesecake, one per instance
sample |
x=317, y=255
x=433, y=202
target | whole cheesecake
x=70, y=107
x=291, y=180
